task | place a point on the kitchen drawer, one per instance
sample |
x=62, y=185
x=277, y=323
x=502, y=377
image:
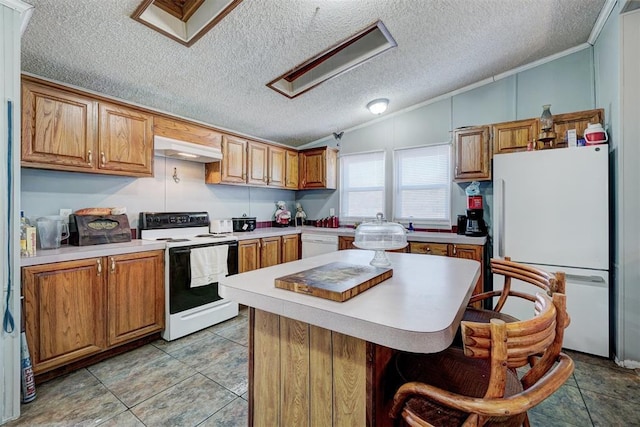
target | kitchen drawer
x=429, y=248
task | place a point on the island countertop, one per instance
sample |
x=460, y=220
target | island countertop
x=418, y=309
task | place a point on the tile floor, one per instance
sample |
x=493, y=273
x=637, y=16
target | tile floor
x=201, y=380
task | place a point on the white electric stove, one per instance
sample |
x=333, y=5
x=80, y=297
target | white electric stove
x=189, y=309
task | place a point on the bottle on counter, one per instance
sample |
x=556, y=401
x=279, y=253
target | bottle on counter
x=410, y=228
x=23, y=234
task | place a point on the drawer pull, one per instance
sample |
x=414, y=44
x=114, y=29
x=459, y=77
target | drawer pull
x=99, y=266
x=90, y=155
x=113, y=265
x=103, y=159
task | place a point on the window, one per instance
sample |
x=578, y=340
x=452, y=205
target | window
x=361, y=185
x=423, y=185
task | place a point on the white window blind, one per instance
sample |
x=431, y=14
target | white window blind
x=361, y=185
x=423, y=185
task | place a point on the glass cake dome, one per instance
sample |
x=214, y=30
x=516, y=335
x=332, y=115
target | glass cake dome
x=380, y=236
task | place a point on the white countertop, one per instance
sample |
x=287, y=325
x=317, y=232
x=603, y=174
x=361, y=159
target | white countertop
x=414, y=236
x=70, y=253
x=418, y=309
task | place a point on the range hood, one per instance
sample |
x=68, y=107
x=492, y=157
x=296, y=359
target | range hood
x=169, y=147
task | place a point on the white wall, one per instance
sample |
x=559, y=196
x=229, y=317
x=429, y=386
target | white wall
x=566, y=83
x=46, y=192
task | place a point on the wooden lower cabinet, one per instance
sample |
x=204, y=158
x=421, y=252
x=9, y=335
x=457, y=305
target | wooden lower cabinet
x=270, y=251
x=76, y=309
x=135, y=303
x=64, y=309
x=267, y=251
x=290, y=247
x=475, y=252
x=304, y=375
x=248, y=255
x=429, y=248
x=345, y=242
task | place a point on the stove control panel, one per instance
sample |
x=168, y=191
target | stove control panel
x=160, y=220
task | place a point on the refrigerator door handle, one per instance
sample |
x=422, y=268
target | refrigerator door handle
x=499, y=230
x=586, y=280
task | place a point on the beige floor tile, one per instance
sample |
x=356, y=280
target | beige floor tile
x=188, y=403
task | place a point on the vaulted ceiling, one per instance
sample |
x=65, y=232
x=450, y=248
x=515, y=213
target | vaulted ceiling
x=221, y=79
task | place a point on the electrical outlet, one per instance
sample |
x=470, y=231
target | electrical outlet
x=64, y=213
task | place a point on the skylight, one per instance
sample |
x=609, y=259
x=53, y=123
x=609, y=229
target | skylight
x=184, y=21
x=346, y=55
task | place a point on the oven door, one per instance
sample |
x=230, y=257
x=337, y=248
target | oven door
x=181, y=296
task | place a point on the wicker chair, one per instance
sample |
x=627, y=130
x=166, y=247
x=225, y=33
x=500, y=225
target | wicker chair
x=478, y=385
x=538, y=278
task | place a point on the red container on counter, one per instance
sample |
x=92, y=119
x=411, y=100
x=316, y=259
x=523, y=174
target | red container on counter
x=474, y=202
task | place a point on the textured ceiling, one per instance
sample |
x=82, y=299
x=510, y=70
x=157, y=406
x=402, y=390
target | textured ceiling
x=443, y=45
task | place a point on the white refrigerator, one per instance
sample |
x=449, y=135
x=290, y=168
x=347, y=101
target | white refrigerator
x=551, y=210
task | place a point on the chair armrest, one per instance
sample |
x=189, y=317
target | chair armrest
x=494, y=407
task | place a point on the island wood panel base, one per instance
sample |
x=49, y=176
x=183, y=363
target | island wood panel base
x=304, y=375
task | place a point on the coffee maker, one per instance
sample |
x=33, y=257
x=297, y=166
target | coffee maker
x=475, y=223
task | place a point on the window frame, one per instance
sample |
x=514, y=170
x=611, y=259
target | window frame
x=353, y=219
x=423, y=222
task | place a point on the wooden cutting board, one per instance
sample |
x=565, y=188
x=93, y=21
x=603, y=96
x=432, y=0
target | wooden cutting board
x=337, y=281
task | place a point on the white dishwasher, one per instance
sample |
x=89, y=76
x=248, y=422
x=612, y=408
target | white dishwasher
x=318, y=244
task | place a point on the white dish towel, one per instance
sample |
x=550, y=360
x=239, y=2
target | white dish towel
x=208, y=265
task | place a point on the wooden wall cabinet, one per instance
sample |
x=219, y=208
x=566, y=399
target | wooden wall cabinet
x=76, y=309
x=253, y=163
x=59, y=129
x=291, y=169
x=232, y=169
x=510, y=137
x=67, y=130
x=318, y=168
x=185, y=131
x=475, y=252
x=578, y=121
x=125, y=140
x=471, y=146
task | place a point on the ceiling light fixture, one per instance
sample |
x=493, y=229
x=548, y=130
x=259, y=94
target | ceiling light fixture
x=378, y=106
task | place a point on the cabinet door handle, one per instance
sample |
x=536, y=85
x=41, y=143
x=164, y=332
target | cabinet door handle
x=99, y=266
x=103, y=159
x=90, y=155
x=428, y=249
x=113, y=265
x=455, y=249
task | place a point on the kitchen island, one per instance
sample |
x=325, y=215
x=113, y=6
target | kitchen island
x=313, y=361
